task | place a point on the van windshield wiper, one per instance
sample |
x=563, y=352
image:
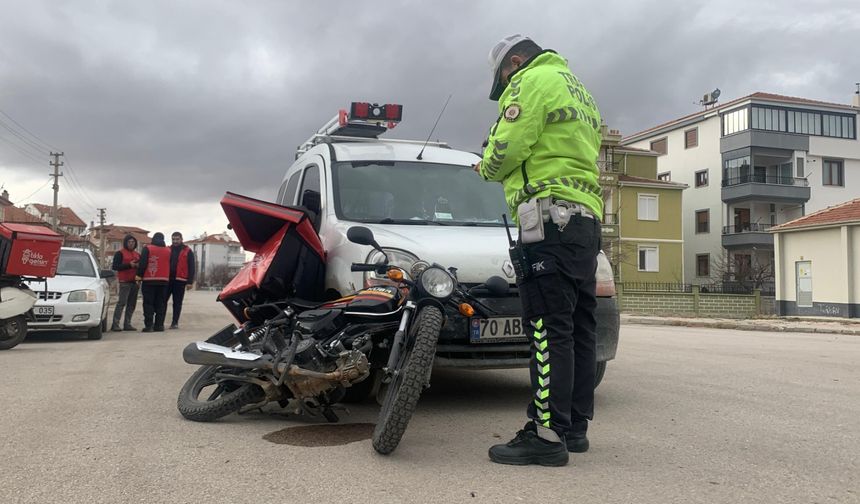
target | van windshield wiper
x=414, y=222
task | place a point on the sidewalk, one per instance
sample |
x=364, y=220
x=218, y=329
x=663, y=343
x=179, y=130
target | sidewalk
x=785, y=324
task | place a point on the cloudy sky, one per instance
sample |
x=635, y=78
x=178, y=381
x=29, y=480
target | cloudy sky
x=161, y=106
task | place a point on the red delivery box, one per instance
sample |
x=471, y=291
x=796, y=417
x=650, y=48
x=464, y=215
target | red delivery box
x=27, y=250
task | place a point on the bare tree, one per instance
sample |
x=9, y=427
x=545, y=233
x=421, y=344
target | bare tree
x=744, y=269
x=219, y=275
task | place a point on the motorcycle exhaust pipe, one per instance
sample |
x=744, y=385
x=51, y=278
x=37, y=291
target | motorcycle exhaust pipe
x=208, y=354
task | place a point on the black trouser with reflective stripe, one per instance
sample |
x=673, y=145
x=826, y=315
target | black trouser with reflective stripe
x=559, y=302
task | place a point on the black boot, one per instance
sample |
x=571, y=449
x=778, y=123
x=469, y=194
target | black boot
x=529, y=448
x=576, y=440
x=128, y=327
x=115, y=327
x=146, y=329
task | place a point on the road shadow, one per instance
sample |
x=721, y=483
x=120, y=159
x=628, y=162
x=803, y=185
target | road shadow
x=39, y=337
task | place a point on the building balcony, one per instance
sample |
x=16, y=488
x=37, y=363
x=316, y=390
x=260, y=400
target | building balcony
x=609, y=226
x=760, y=187
x=747, y=236
x=235, y=260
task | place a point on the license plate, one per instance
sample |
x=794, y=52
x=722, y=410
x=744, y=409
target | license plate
x=43, y=310
x=497, y=330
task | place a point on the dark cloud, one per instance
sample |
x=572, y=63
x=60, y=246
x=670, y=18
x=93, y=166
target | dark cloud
x=186, y=100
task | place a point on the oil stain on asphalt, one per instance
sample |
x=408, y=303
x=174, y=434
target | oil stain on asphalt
x=321, y=435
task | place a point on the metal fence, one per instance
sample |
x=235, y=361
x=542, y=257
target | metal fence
x=748, y=288
x=765, y=179
x=657, y=287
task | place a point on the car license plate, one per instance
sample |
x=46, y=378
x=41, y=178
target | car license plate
x=497, y=330
x=43, y=310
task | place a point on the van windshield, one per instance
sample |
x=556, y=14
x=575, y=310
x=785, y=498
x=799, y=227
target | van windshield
x=404, y=192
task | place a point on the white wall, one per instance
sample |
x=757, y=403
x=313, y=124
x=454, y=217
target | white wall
x=823, y=196
x=683, y=164
x=824, y=248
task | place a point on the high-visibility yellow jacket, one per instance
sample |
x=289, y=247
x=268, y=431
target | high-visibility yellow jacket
x=547, y=138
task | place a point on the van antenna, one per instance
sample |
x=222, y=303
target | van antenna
x=434, y=127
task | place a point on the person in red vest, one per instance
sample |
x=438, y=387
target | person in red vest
x=181, y=274
x=125, y=263
x=154, y=271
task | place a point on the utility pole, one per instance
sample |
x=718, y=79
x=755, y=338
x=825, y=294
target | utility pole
x=56, y=163
x=102, y=237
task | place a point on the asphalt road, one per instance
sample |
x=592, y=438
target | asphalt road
x=684, y=415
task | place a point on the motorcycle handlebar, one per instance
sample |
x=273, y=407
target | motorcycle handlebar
x=364, y=267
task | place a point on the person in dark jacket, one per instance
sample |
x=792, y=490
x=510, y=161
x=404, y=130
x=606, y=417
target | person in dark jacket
x=181, y=275
x=125, y=263
x=154, y=271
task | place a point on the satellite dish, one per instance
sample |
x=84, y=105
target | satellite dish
x=715, y=93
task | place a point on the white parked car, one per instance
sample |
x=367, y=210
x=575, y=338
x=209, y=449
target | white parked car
x=77, y=299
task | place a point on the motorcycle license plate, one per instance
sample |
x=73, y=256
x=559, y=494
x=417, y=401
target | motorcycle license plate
x=43, y=310
x=497, y=330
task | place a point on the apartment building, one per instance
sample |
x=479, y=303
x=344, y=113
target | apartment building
x=751, y=164
x=642, y=234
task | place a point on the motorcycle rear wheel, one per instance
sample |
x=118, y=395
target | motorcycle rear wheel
x=403, y=392
x=12, y=332
x=228, y=397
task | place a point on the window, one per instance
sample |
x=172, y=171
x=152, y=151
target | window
x=660, y=146
x=703, y=265
x=701, y=178
x=736, y=121
x=703, y=221
x=287, y=195
x=691, y=138
x=649, y=258
x=311, y=199
x=648, y=207
x=803, y=122
x=664, y=177
x=800, y=168
x=833, y=173
x=736, y=171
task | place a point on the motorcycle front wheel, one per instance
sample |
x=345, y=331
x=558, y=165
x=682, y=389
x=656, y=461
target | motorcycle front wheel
x=12, y=331
x=413, y=369
x=204, y=398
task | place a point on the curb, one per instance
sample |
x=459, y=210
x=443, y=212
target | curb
x=737, y=326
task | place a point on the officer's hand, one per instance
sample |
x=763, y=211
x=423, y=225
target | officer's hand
x=477, y=167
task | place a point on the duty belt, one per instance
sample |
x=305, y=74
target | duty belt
x=549, y=210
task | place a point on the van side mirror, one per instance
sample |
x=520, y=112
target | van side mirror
x=312, y=201
x=362, y=236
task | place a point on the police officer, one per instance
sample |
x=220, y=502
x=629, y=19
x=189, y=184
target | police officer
x=543, y=149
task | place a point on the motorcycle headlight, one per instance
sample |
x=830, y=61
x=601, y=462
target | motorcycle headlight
x=82, y=296
x=396, y=257
x=437, y=282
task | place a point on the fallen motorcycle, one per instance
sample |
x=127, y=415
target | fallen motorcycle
x=306, y=355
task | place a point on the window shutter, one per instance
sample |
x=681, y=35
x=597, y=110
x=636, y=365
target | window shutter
x=691, y=138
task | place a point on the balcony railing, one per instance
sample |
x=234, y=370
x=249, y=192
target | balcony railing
x=608, y=166
x=747, y=228
x=610, y=218
x=763, y=179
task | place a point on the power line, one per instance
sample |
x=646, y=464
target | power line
x=50, y=147
x=26, y=140
x=21, y=150
x=74, y=177
x=34, y=192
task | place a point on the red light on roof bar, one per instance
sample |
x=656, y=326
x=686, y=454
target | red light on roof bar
x=374, y=112
x=360, y=110
x=393, y=112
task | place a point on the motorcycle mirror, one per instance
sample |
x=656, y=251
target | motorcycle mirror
x=362, y=236
x=497, y=285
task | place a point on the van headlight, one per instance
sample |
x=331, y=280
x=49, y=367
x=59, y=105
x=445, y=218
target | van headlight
x=437, y=282
x=396, y=257
x=82, y=296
